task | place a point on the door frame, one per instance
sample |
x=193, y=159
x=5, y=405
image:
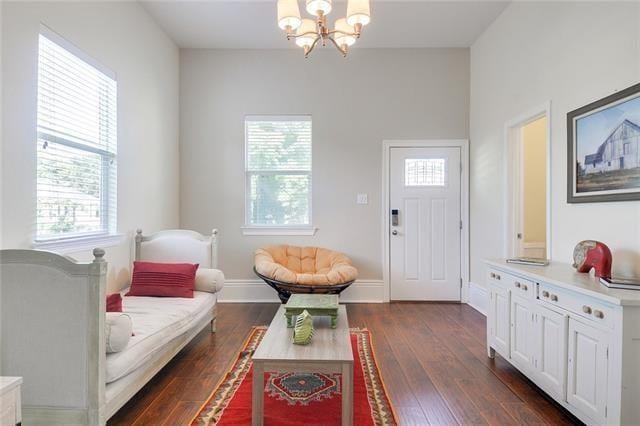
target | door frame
x=512, y=182
x=463, y=144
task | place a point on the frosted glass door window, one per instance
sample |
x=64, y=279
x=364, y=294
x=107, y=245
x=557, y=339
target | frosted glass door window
x=425, y=172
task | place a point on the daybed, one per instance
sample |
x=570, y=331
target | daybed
x=52, y=312
x=291, y=269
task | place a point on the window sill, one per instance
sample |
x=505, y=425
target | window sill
x=266, y=230
x=73, y=245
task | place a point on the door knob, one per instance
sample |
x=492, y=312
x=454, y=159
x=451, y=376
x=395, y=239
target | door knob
x=394, y=232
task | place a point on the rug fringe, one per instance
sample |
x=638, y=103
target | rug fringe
x=384, y=386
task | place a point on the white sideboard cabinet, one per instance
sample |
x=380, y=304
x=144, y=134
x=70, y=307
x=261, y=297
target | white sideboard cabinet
x=576, y=339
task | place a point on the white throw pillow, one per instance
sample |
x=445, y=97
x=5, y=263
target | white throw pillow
x=118, y=328
x=209, y=280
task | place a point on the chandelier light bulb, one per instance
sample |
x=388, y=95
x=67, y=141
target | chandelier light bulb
x=288, y=15
x=358, y=12
x=344, y=33
x=319, y=7
x=303, y=39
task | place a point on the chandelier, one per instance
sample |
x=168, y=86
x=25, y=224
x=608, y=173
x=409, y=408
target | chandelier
x=307, y=33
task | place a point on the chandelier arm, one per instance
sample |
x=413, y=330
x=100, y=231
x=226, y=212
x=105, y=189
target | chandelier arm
x=312, y=46
x=342, y=32
x=305, y=34
x=343, y=51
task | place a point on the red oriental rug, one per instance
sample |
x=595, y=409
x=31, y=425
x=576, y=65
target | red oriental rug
x=300, y=398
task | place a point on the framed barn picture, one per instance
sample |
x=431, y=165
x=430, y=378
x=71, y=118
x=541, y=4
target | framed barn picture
x=604, y=149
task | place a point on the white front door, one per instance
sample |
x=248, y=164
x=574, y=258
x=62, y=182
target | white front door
x=425, y=223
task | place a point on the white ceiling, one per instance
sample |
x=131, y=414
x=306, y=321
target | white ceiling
x=243, y=24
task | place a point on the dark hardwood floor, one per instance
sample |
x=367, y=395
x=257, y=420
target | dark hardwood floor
x=432, y=358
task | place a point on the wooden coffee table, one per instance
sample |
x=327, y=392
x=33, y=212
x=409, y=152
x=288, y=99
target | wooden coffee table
x=329, y=352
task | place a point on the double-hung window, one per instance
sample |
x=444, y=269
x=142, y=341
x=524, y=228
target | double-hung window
x=278, y=174
x=76, y=144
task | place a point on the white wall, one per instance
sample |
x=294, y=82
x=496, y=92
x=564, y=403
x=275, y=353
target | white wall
x=356, y=103
x=123, y=37
x=569, y=53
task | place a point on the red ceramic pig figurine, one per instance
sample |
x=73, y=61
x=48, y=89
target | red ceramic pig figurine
x=592, y=254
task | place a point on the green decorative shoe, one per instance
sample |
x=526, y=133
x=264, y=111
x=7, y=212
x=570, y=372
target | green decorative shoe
x=303, y=330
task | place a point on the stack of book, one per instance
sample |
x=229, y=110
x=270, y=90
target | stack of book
x=623, y=283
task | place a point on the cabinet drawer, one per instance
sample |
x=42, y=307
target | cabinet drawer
x=583, y=306
x=519, y=286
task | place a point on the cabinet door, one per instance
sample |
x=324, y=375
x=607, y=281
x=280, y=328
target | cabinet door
x=8, y=409
x=499, y=320
x=522, y=336
x=550, y=355
x=587, y=364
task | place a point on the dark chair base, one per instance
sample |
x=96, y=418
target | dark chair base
x=285, y=290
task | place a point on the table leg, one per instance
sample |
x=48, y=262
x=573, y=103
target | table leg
x=257, y=397
x=289, y=320
x=347, y=394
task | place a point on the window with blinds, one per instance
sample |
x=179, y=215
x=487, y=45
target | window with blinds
x=76, y=143
x=278, y=171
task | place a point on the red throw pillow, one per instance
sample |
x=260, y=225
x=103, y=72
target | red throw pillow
x=163, y=279
x=114, y=302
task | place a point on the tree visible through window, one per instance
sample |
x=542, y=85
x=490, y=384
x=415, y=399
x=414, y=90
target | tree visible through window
x=76, y=144
x=278, y=170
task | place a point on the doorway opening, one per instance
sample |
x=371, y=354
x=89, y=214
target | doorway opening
x=528, y=186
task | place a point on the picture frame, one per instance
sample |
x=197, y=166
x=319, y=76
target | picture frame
x=603, y=149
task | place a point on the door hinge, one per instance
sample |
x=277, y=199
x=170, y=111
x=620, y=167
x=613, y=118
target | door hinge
x=605, y=411
x=460, y=224
x=461, y=168
x=607, y=352
x=460, y=282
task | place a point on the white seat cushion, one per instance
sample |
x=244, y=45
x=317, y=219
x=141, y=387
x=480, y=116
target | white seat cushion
x=156, y=321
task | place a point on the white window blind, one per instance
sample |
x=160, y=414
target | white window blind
x=76, y=144
x=278, y=171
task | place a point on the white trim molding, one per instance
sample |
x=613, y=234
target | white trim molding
x=257, y=291
x=463, y=144
x=278, y=230
x=74, y=245
x=478, y=298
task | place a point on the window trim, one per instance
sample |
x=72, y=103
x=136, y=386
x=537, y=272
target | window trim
x=108, y=236
x=285, y=230
x=76, y=243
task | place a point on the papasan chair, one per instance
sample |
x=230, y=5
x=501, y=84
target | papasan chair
x=291, y=269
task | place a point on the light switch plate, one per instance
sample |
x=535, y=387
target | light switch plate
x=362, y=199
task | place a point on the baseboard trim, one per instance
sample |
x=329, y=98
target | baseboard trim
x=478, y=298
x=256, y=291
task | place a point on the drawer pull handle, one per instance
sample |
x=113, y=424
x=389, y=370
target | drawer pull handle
x=598, y=314
x=554, y=298
x=492, y=275
x=545, y=293
x=524, y=287
x=517, y=284
x=497, y=277
x=586, y=309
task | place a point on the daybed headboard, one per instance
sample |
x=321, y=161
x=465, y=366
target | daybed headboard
x=178, y=245
x=51, y=332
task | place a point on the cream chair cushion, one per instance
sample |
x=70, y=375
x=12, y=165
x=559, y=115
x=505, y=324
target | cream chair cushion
x=304, y=265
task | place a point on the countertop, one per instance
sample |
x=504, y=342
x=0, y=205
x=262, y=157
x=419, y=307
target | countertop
x=565, y=276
